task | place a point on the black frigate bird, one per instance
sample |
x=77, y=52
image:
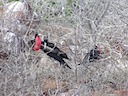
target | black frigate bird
x=92, y=55
x=54, y=52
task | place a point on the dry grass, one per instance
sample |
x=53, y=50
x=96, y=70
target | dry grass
x=101, y=22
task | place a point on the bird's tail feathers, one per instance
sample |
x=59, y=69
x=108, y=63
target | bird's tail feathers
x=67, y=66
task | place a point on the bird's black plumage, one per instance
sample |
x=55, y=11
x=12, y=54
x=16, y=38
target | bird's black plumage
x=92, y=55
x=55, y=49
x=55, y=53
x=55, y=56
x=36, y=35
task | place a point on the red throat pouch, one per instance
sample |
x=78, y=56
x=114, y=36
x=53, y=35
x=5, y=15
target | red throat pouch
x=37, y=43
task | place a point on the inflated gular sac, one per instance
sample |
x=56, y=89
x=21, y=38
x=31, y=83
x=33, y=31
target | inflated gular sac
x=37, y=43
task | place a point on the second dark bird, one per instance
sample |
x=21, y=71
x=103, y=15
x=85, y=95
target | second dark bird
x=92, y=55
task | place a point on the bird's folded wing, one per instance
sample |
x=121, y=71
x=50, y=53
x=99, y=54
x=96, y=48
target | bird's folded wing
x=48, y=49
